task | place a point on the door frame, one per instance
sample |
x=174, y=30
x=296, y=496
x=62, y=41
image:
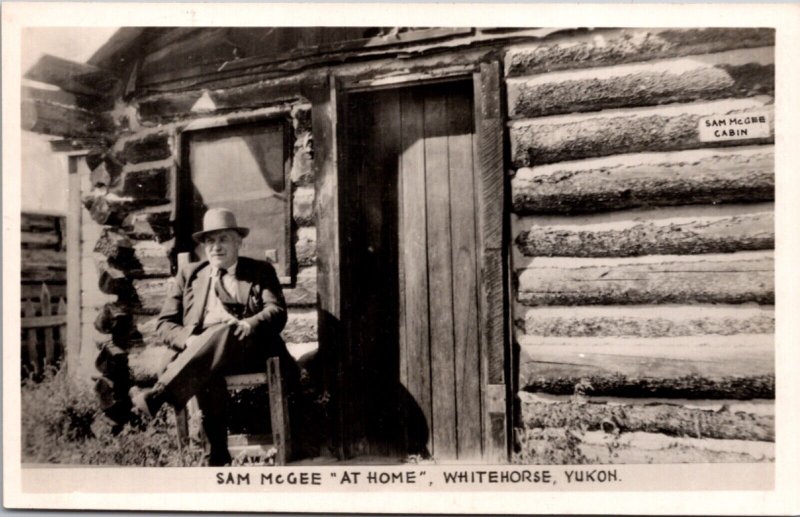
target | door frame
x=329, y=101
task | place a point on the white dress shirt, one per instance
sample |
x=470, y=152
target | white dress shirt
x=215, y=311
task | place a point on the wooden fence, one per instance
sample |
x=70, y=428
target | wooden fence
x=43, y=332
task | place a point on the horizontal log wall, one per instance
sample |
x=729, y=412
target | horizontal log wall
x=43, y=259
x=642, y=254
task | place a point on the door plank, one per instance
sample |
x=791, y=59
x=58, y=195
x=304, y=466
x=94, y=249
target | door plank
x=413, y=235
x=378, y=275
x=440, y=275
x=465, y=302
x=389, y=270
x=359, y=133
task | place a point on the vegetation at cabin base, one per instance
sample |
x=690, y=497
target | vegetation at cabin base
x=61, y=424
x=554, y=446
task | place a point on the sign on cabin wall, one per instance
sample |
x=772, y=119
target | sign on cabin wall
x=737, y=126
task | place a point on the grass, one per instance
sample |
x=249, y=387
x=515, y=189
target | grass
x=561, y=446
x=61, y=424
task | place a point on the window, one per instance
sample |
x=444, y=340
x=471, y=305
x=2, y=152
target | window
x=243, y=168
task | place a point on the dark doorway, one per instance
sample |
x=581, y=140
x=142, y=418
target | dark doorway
x=409, y=273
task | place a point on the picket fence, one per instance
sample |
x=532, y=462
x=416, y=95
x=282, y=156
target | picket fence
x=43, y=332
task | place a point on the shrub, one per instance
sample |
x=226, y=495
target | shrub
x=61, y=424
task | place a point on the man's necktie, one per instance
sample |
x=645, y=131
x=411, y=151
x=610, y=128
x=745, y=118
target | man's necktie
x=231, y=305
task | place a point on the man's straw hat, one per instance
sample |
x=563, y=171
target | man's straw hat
x=217, y=219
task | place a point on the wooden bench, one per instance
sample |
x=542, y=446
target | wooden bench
x=254, y=445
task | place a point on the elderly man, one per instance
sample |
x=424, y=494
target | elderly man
x=223, y=315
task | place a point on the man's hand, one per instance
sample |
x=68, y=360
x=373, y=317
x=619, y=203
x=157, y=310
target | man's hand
x=190, y=340
x=242, y=329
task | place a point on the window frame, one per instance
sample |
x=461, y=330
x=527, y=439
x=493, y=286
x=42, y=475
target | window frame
x=182, y=182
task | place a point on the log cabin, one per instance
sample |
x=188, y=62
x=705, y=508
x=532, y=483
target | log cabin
x=470, y=224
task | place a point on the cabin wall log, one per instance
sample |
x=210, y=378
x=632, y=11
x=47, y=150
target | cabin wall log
x=655, y=418
x=55, y=119
x=647, y=129
x=303, y=206
x=66, y=98
x=714, y=279
x=37, y=257
x=649, y=321
x=646, y=180
x=149, y=186
x=306, y=247
x=39, y=240
x=70, y=76
x=43, y=257
x=648, y=233
x=150, y=294
x=628, y=46
x=301, y=326
x=641, y=448
x=150, y=147
x=536, y=378
x=151, y=259
x=172, y=106
x=149, y=225
x=303, y=292
x=738, y=73
x=706, y=356
x=147, y=362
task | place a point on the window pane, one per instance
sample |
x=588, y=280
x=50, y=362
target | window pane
x=242, y=168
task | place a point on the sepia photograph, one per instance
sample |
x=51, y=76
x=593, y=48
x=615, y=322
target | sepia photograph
x=494, y=250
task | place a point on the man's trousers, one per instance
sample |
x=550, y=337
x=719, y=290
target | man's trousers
x=200, y=371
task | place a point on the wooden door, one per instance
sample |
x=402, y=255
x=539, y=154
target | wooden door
x=409, y=273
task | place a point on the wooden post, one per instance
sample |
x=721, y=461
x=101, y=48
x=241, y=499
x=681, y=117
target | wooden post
x=182, y=414
x=326, y=100
x=29, y=311
x=72, y=340
x=279, y=411
x=490, y=188
x=61, y=311
x=182, y=425
x=49, y=341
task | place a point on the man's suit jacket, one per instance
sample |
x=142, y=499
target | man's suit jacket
x=258, y=288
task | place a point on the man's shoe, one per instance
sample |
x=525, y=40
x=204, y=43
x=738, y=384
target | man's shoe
x=147, y=401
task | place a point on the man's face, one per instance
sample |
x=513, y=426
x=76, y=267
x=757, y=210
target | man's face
x=222, y=248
